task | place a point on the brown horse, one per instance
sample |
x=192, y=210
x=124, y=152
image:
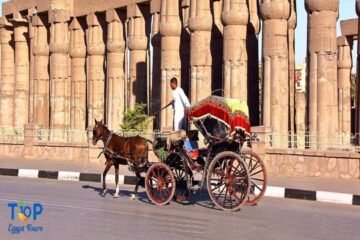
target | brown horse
x=118, y=150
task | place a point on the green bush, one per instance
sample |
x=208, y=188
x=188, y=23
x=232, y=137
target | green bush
x=135, y=119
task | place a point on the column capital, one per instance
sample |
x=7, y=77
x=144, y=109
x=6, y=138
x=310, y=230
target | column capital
x=200, y=16
x=95, y=44
x=344, y=52
x=133, y=11
x=321, y=5
x=235, y=12
x=112, y=16
x=170, y=24
x=4, y=22
x=58, y=16
x=115, y=33
x=75, y=25
x=59, y=37
x=19, y=19
x=77, y=43
x=254, y=17
x=279, y=9
x=292, y=19
x=36, y=21
x=93, y=20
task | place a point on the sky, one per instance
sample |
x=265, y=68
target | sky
x=347, y=11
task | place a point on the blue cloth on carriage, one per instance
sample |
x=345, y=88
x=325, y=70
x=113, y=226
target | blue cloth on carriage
x=190, y=145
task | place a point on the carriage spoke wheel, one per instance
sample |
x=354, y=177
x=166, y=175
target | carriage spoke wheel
x=160, y=184
x=228, y=181
x=176, y=164
x=258, y=178
x=181, y=192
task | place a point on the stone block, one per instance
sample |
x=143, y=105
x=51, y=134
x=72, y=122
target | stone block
x=312, y=166
x=155, y=6
x=332, y=164
x=354, y=167
x=112, y=16
x=59, y=16
x=343, y=165
x=92, y=20
x=133, y=10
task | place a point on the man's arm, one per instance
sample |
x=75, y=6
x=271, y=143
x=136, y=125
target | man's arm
x=184, y=98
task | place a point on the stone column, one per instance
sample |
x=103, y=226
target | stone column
x=60, y=87
x=322, y=57
x=7, y=74
x=200, y=25
x=291, y=44
x=138, y=43
x=252, y=45
x=344, y=84
x=170, y=30
x=31, y=30
x=95, y=69
x=275, y=14
x=78, y=76
x=300, y=106
x=41, y=72
x=115, y=67
x=357, y=113
x=21, y=95
x=155, y=58
x=235, y=17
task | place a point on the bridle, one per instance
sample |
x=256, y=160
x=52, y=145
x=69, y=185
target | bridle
x=104, y=137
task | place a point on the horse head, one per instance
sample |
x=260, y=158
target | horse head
x=99, y=131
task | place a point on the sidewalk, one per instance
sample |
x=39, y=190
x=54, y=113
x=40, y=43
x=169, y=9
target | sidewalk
x=309, y=188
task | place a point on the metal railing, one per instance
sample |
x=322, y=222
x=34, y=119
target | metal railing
x=61, y=136
x=305, y=140
x=11, y=135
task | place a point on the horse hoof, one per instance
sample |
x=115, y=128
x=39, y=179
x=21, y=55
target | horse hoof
x=116, y=195
x=104, y=193
x=132, y=197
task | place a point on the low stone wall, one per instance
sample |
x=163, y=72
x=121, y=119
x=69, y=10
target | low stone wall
x=80, y=153
x=46, y=150
x=309, y=163
x=12, y=149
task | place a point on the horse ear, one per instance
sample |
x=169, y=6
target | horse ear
x=96, y=121
x=101, y=120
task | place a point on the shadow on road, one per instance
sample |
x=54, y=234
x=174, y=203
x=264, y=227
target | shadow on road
x=200, y=198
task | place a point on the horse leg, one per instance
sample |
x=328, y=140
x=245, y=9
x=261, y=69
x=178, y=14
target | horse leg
x=138, y=179
x=107, y=167
x=116, y=195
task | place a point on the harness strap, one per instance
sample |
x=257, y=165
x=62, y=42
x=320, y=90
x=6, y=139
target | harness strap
x=111, y=154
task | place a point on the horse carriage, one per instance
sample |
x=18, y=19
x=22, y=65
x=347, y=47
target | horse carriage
x=234, y=175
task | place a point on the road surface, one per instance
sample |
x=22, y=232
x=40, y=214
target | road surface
x=76, y=211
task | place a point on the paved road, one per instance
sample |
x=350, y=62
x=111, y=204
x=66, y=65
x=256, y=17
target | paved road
x=75, y=211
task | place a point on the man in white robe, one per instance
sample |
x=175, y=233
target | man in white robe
x=180, y=102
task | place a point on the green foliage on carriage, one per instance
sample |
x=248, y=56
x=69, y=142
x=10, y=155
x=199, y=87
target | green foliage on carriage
x=136, y=119
x=162, y=154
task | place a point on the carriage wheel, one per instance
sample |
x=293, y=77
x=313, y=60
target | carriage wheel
x=176, y=164
x=160, y=184
x=228, y=181
x=258, y=178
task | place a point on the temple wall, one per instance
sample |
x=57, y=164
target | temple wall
x=65, y=63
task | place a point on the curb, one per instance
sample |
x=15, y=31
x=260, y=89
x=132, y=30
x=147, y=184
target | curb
x=271, y=191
